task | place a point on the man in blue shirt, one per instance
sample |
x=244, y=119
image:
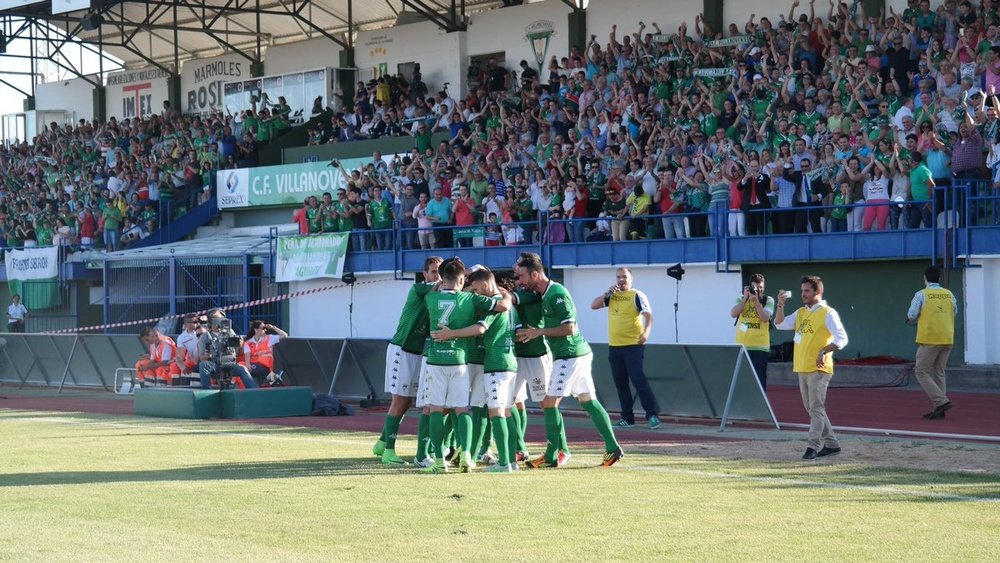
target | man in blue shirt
x=439, y=212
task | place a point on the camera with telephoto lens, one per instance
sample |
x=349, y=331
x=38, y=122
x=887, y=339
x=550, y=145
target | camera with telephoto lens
x=223, y=347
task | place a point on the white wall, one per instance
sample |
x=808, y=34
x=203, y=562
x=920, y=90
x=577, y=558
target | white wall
x=503, y=30
x=75, y=96
x=136, y=93
x=437, y=52
x=981, y=312
x=325, y=314
x=703, y=309
x=602, y=14
x=302, y=55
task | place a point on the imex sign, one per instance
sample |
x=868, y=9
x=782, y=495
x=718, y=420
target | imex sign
x=136, y=93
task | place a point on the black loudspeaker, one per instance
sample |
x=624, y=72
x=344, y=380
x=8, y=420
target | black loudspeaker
x=91, y=21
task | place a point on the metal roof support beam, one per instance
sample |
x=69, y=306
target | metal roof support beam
x=449, y=24
x=137, y=52
x=15, y=88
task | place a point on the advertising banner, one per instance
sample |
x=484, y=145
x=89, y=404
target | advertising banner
x=286, y=184
x=202, y=79
x=309, y=257
x=33, y=273
x=136, y=93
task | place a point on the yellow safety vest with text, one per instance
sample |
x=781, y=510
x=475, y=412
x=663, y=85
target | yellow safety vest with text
x=624, y=319
x=811, y=335
x=936, y=323
x=751, y=331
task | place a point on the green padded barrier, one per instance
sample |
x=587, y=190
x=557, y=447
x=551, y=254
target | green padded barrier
x=177, y=403
x=268, y=402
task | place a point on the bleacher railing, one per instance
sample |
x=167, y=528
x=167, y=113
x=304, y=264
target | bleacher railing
x=946, y=232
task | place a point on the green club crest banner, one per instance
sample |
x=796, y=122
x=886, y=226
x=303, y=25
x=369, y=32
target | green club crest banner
x=539, y=34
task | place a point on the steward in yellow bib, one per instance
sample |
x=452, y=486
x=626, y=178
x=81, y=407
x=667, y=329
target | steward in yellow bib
x=818, y=333
x=753, y=311
x=933, y=309
x=630, y=319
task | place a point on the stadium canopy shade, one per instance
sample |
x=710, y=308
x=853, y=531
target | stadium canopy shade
x=162, y=33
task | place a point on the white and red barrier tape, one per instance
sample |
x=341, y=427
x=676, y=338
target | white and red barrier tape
x=243, y=305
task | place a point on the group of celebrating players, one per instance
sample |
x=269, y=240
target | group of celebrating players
x=471, y=347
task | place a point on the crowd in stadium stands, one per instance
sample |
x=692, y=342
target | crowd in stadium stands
x=819, y=120
x=107, y=185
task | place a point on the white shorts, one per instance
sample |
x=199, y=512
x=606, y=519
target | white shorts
x=532, y=375
x=402, y=371
x=477, y=386
x=572, y=376
x=500, y=389
x=447, y=386
x=422, y=384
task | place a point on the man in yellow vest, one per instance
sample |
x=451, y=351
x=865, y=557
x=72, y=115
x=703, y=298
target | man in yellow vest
x=933, y=309
x=753, y=311
x=818, y=333
x=630, y=319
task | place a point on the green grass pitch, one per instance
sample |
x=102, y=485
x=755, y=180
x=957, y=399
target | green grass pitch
x=77, y=487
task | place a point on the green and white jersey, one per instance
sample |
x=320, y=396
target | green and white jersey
x=529, y=315
x=499, y=342
x=477, y=348
x=557, y=309
x=453, y=309
x=412, y=330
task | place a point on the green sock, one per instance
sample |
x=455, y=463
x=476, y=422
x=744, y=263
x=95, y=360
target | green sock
x=500, y=437
x=391, y=429
x=513, y=427
x=449, y=430
x=423, y=435
x=464, y=425
x=484, y=444
x=478, y=415
x=519, y=416
x=563, y=444
x=524, y=422
x=437, y=434
x=384, y=424
x=602, y=422
x=551, y=433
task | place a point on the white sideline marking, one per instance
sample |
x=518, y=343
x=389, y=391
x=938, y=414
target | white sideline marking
x=877, y=489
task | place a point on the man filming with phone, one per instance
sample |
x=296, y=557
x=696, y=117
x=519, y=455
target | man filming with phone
x=753, y=311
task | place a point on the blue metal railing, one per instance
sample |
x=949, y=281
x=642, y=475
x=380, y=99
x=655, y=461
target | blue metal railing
x=971, y=206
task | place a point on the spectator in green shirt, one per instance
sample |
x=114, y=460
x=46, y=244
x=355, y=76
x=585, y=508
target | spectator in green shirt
x=380, y=210
x=921, y=185
x=112, y=226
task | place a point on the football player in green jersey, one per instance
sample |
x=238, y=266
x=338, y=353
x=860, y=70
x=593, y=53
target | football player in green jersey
x=447, y=376
x=499, y=365
x=571, y=371
x=403, y=359
x=534, y=364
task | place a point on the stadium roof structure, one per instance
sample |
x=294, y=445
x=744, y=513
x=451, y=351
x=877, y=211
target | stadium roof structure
x=164, y=33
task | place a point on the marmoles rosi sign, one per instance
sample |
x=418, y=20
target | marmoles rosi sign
x=202, y=79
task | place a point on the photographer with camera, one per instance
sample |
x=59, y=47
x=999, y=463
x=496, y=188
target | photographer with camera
x=258, y=351
x=217, y=351
x=753, y=311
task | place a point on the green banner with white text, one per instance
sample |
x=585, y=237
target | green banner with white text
x=310, y=257
x=286, y=184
